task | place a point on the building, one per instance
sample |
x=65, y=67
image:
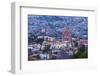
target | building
x=66, y=35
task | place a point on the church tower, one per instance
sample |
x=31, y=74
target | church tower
x=66, y=35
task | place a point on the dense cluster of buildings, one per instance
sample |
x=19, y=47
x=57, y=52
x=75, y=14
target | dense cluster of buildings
x=49, y=48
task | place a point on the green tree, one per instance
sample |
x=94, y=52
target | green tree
x=82, y=52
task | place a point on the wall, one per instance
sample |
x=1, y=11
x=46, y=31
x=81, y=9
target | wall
x=5, y=33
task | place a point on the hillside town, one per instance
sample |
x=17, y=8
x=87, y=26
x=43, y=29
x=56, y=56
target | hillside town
x=44, y=44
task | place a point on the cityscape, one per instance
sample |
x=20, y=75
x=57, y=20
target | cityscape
x=57, y=37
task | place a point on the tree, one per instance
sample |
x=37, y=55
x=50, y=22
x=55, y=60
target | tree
x=82, y=52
